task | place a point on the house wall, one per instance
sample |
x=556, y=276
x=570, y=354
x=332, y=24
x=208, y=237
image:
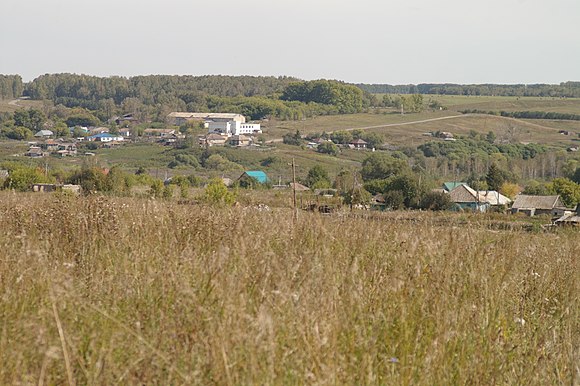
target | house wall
x=246, y=128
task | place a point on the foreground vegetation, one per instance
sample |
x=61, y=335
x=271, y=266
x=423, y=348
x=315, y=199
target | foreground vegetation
x=118, y=290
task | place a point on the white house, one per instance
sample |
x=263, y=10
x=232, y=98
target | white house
x=105, y=137
x=230, y=128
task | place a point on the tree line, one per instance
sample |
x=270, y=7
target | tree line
x=527, y=114
x=11, y=86
x=562, y=90
x=153, y=96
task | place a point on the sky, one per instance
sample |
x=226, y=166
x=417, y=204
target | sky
x=358, y=41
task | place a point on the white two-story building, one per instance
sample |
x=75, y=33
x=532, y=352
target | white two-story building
x=230, y=128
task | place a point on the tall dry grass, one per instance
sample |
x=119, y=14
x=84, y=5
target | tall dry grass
x=124, y=291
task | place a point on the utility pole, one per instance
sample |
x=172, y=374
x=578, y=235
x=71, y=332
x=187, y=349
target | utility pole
x=294, y=188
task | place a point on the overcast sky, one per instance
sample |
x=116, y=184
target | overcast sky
x=370, y=41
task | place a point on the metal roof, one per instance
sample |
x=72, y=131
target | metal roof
x=449, y=186
x=493, y=197
x=186, y=115
x=258, y=175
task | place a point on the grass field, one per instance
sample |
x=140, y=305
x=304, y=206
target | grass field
x=400, y=130
x=498, y=103
x=126, y=291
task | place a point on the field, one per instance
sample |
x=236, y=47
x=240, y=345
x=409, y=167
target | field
x=408, y=129
x=100, y=290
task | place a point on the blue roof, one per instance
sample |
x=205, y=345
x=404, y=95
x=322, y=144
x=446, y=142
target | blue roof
x=258, y=175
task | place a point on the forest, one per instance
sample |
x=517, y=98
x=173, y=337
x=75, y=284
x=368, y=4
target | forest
x=562, y=90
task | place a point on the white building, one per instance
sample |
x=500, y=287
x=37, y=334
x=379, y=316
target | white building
x=179, y=118
x=230, y=128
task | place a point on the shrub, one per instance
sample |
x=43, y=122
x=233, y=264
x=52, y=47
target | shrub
x=217, y=193
x=436, y=201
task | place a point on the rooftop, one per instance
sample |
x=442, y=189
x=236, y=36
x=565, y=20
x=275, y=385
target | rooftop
x=257, y=175
x=523, y=201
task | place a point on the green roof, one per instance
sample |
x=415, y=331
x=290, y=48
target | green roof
x=258, y=175
x=449, y=186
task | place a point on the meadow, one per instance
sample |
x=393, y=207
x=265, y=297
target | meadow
x=104, y=290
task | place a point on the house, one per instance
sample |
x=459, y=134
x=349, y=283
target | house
x=494, y=198
x=213, y=140
x=240, y=141
x=50, y=145
x=75, y=189
x=125, y=133
x=98, y=130
x=179, y=118
x=570, y=219
x=449, y=186
x=46, y=188
x=538, y=205
x=126, y=120
x=252, y=177
x=359, y=144
x=298, y=187
x=44, y=134
x=378, y=202
x=465, y=198
x=34, y=152
x=445, y=135
x=162, y=133
x=105, y=137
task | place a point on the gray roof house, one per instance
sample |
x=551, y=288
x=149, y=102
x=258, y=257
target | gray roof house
x=538, y=205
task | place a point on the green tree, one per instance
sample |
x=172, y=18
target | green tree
x=436, y=201
x=490, y=137
x=217, y=193
x=496, y=177
x=568, y=190
x=317, y=178
x=21, y=178
x=381, y=166
x=293, y=139
x=156, y=189
x=328, y=148
x=394, y=199
x=576, y=176
x=341, y=136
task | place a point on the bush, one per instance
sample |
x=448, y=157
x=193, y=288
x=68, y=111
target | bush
x=394, y=199
x=328, y=148
x=436, y=201
x=217, y=193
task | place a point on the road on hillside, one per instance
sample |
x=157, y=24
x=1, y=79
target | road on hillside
x=277, y=140
x=390, y=125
